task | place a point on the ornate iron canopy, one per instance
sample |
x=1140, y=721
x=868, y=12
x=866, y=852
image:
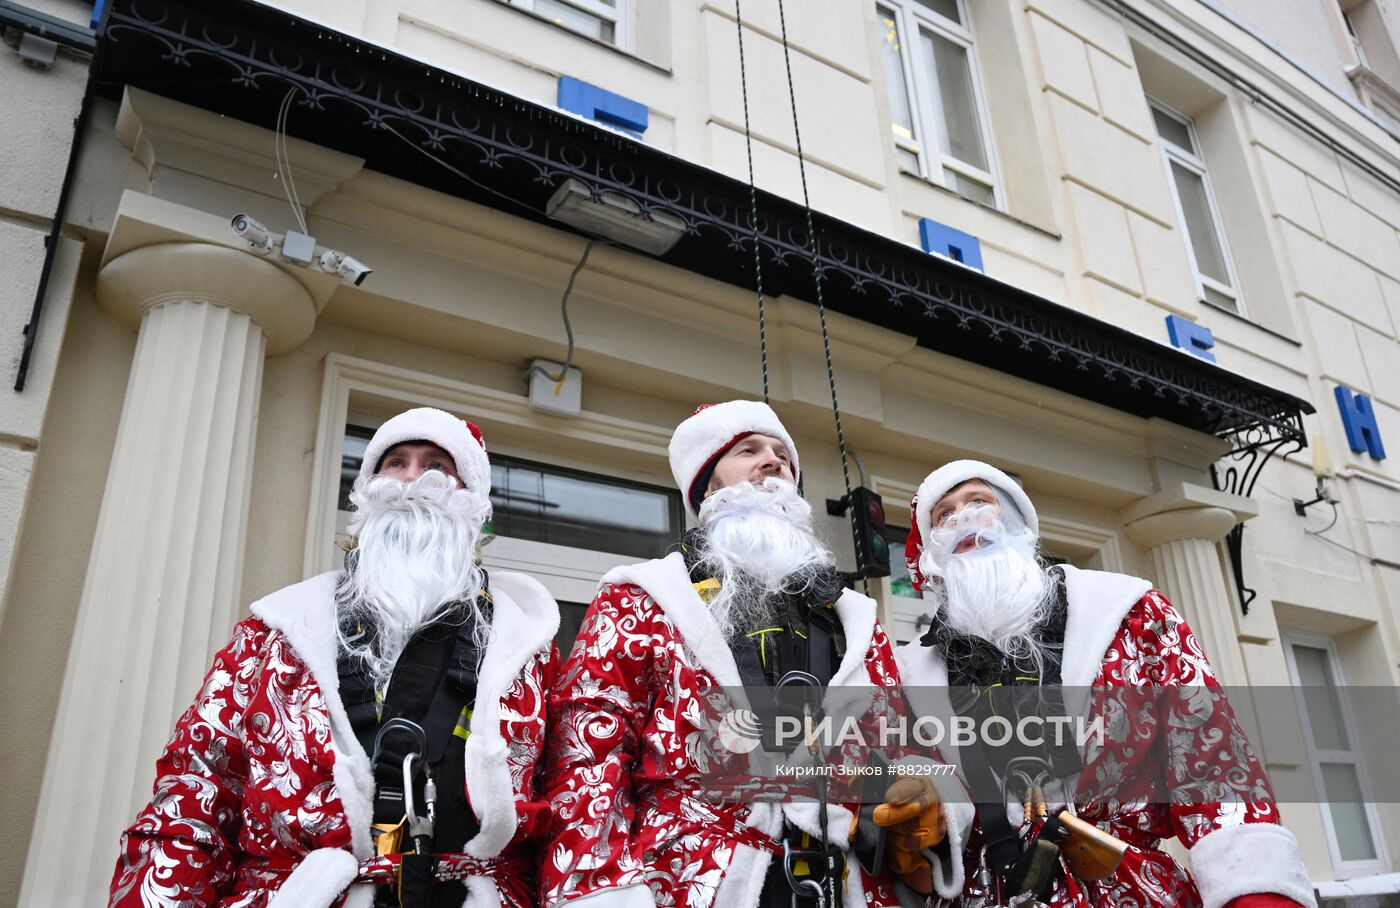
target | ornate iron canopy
x=239, y=58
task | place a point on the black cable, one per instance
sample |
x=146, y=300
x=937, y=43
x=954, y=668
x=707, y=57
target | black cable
x=564, y=311
x=753, y=201
x=458, y=171
x=821, y=302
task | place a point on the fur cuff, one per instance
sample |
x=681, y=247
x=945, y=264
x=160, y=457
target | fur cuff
x=1247, y=859
x=316, y=882
x=637, y=895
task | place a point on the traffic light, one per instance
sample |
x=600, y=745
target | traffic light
x=872, y=548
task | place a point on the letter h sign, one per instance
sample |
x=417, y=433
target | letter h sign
x=1359, y=420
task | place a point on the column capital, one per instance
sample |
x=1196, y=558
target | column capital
x=138, y=281
x=160, y=251
x=1185, y=511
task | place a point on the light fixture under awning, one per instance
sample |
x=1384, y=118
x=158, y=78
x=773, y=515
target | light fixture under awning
x=614, y=216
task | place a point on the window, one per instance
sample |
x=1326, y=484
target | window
x=909, y=613
x=566, y=528
x=937, y=112
x=1196, y=211
x=1348, y=820
x=602, y=20
x=1354, y=37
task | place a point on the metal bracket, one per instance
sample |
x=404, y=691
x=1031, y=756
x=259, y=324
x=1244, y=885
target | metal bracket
x=1239, y=470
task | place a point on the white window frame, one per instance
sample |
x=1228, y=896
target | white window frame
x=570, y=573
x=619, y=16
x=365, y=393
x=925, y=102
x=1191, y=160
x=1343, y=869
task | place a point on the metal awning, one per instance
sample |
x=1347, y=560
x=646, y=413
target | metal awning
x=239, y=57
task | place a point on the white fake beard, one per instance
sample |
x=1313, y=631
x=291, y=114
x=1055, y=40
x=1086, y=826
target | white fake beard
x=997, y=591
x=759, y=543
x=415, y=557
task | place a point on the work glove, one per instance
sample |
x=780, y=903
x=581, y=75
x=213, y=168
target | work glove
x=913, y=815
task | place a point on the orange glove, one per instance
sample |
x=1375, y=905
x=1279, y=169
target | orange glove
x=913, y=814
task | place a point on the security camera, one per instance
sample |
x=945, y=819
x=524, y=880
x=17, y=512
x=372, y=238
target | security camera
x=256, y=235
x=349, y=269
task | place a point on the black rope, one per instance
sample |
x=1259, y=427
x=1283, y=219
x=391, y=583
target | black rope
x=753, y=201
x=821, y=303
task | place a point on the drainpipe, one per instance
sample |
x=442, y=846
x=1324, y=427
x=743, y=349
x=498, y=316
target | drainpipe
x=80, y=40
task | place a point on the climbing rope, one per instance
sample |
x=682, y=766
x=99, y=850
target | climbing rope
x=753, y=201
x=817, y=269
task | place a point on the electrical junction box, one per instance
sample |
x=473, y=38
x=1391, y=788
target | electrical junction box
x=299, y=248
x=560, y=398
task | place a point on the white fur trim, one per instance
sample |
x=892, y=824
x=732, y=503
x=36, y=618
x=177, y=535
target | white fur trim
x=742, y=882
x=305, y=614
x=316, y=882
x=637, y=895
x=709, y=431
x=667, y=582
x=524, y=620
x=361, y=895
x=804, y=815
x=937, y=484
x=923, y=675
x=1248, y=859
x=959, y=814
x=1097, y=601
x=482, y=892
x=442, y=429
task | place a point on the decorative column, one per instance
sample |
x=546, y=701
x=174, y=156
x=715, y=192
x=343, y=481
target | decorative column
x=1182, y=528
x=162, y=587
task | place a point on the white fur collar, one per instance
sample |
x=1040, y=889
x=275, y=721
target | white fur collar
x=524, y=621
x=667, y=581
x=1097, y=603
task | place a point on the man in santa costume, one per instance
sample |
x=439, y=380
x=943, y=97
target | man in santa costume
x=1173, y=763
x=267, y=794
x=752, y=598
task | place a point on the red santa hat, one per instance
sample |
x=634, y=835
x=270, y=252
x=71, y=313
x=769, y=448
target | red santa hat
x=459, y=438
x=943, y=480
x=701, y=440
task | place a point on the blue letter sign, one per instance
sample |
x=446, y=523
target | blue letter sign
x=1191, y=337
x=1359, y=420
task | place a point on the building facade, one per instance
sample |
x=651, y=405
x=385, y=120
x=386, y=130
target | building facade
x=1143, y=254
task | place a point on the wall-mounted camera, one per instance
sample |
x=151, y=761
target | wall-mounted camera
x=252, y=232
x=352, y=270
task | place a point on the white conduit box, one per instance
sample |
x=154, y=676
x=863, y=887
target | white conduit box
x=560, y=398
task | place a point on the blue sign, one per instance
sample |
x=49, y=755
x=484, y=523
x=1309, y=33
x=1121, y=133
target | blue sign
x=602, y=105
x=1359, y=420
x=1191, y=337
x=956, y=245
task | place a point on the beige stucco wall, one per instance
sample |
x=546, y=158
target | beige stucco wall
x=467, y=295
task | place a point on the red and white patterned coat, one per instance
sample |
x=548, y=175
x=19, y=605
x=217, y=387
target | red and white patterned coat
x=263, y=796
x=630, y=745
x=1122, y=633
